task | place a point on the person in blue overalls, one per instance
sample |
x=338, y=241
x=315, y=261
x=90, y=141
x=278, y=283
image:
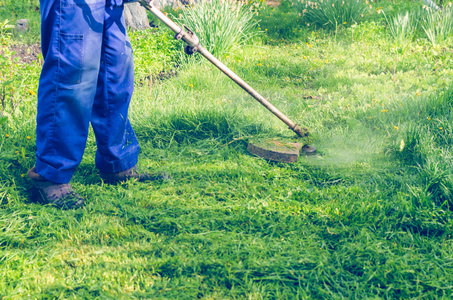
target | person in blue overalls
x=87, y=77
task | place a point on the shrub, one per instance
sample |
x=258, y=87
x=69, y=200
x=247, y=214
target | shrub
x=220, y=24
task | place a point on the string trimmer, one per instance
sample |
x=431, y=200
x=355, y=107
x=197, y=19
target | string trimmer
x=272, y=149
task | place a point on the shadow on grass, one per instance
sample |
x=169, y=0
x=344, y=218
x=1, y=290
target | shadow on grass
x=187, y=127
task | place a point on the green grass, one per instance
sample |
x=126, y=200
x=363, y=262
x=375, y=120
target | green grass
x=11, y=11
x=280, y=25
x=332, y=14
x=154, y=49
x=370, y=217
x=438, y=25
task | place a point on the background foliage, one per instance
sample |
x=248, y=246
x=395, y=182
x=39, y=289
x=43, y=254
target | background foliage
x=19, y=8
x=220, y=25
x=332, y=13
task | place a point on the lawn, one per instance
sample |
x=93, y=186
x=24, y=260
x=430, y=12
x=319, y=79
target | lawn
x=369, y=217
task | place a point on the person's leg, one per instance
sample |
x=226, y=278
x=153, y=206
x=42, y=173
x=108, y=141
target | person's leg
x=118, y=147
x=72, y=32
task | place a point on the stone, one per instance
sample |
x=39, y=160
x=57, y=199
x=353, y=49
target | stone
x=22, y=25
x=135, y=16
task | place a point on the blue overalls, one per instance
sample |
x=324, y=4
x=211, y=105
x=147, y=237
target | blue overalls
x=87, y=76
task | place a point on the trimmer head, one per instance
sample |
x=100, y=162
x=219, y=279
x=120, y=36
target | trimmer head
x=279, y=151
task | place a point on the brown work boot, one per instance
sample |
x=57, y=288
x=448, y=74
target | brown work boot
x=56, y=194
x=132, y=173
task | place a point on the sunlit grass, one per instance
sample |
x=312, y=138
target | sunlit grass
x=332, y=14
x=438, y=25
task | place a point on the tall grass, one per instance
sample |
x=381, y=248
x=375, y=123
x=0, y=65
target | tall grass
x=438, y=24
x=332, y=14
x=402, y=27
x=220, y=24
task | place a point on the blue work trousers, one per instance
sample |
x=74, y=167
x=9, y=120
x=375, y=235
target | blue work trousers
x=87, y=76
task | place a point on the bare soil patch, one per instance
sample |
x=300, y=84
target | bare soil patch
x=26, y=53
